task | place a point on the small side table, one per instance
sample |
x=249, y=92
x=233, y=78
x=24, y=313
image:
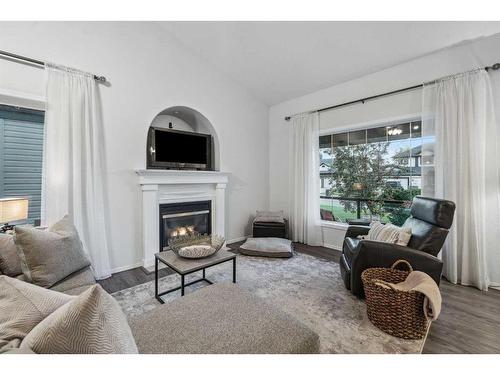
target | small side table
x=185, y=267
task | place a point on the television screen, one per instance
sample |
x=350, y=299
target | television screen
x=175, y=147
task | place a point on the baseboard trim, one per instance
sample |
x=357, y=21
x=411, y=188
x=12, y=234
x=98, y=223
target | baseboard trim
x=333, y=247
x=150, y=269
x=237, y=239
x=126, y=268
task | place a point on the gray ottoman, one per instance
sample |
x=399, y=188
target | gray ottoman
x=219, y=319
x=267, y=247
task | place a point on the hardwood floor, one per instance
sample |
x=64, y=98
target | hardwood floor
x=469, y=320
x=127, y=279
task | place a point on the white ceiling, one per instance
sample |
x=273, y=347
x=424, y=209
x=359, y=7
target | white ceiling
x=278, y=61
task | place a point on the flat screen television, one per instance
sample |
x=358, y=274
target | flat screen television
x=176, y=149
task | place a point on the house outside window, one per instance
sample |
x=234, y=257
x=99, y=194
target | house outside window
x=371, y=174
x=21, y=152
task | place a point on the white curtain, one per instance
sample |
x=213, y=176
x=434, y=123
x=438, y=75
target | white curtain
x=459, y=112
x=304, y=180
x=73, y=163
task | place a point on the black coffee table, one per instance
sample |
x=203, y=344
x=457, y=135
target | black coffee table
x=185, y=267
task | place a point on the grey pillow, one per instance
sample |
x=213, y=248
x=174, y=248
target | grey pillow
x=269, y=217
x=10, y=264
x=22, y=307
x=50, y=256
x=267, y=247
x=92, y=323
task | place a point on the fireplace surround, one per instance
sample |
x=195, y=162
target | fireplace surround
x=162, y=187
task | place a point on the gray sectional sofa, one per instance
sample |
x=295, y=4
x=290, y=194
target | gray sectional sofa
x=10, y=265
x=221, y=318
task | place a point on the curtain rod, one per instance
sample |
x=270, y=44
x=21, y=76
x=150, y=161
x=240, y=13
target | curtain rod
x=495, y=66
x=39, y=63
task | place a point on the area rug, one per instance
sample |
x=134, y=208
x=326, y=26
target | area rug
x=307, y=287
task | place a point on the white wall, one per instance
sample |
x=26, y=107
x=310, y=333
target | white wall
x=386, y=109
x=460, y=58
x=162, y=121
x=149, y=71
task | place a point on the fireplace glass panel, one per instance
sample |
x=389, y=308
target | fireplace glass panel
x=181, y=219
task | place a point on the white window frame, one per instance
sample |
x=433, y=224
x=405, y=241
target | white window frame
x=363, y=126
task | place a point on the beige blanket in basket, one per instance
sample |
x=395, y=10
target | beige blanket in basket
x=421, y=282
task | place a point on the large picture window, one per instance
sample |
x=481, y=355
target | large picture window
x=371, y=174
x=21, y=150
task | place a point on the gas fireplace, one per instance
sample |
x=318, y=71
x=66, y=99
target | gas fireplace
x=170, y=190
x=184, y=218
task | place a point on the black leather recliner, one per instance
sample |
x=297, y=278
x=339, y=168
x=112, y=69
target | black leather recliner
x=429, y=221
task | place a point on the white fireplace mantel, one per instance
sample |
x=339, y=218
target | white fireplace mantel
x=162, y=176
x=160, y=186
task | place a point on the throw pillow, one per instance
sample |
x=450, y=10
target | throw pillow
x=22, y=307
x=270, y=217
x=10, y=264
x=50, y=256
x=404, y=236
x=92, y=323
x=389, y=233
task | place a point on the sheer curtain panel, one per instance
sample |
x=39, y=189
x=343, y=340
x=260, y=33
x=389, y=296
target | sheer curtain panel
x=463, y=166
x=304, y=183
x=73, y=163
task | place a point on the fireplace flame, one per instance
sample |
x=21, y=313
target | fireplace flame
x=182, y=231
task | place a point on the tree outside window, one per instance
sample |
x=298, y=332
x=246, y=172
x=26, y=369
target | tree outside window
x=374, y=171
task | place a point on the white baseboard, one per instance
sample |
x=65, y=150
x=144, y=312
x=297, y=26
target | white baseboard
x=237, y=239
x=233, y=240
x=151, y=269
x=125, y=268
x=333, y=247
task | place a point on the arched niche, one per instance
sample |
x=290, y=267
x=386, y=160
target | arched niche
x=189, y=119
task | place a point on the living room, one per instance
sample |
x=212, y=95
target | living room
x=249, y=187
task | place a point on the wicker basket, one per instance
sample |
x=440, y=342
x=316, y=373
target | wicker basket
x=398, y=313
